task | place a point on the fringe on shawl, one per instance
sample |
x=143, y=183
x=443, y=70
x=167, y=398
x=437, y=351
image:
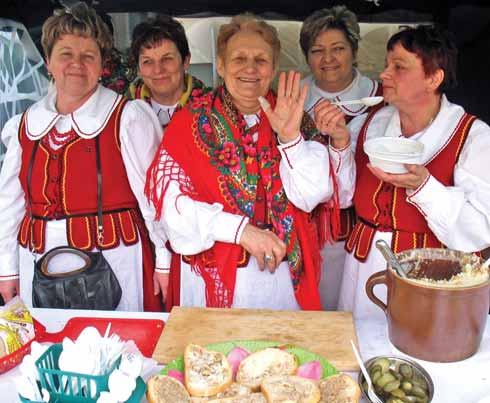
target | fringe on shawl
x=161, y=172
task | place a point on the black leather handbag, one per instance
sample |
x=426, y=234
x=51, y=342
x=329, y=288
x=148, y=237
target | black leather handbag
x=93, y=286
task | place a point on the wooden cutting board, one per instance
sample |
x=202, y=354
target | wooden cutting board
x=325, y=333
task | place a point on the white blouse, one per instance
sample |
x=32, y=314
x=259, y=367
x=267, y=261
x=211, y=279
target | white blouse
x=140, y=136
x=164, y=112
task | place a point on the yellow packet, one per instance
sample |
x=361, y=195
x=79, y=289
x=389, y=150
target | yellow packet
x=16, y=326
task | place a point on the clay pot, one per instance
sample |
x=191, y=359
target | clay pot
x=433, y=324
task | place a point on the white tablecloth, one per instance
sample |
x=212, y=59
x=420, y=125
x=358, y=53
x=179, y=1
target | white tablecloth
x=465, y=381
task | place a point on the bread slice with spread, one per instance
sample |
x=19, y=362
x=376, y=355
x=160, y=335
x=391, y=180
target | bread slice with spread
x=251, y=398
x=340, y=388
x=164, y=389
x=290, y=388
x=207, y=372
x=261, y=364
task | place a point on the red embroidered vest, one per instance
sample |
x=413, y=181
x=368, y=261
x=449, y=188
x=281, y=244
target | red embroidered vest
x=64, y=186
x=381, y=206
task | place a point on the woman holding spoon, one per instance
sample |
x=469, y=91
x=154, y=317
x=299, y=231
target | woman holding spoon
x=444, y=201
x=329, y=39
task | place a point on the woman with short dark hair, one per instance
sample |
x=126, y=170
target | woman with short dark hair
x=442, y=202
x=161, y=53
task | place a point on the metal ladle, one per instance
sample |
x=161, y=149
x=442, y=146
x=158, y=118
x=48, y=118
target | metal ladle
x=390, y=257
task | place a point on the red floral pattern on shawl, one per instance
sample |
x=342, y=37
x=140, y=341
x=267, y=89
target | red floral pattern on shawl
x=213, y=160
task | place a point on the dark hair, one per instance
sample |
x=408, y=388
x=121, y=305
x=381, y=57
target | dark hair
x=337, y=17
x=434, y=46
x=149, y=33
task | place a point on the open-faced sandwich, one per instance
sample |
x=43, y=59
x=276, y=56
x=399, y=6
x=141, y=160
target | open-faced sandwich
x=206, y=372
x=261, y=364
x=164, y=389
x=270, y=375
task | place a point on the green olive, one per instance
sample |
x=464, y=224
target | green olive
x=418, y=391
x=396, y=374
x=406, y=371
x=422, y=399
x=390, y=386
x=373, y=368
x=419, y=381
x=398, y=393
x=376, y=375
x=410, y=399
x=384, y=379
x=393, y=399
x=384, y=363
x=406, y=386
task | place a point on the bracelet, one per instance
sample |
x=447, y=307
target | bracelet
x=163, y=270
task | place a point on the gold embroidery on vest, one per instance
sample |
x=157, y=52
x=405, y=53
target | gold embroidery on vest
x=65, y=171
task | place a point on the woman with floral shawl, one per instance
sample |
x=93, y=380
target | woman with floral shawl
x=234, y=183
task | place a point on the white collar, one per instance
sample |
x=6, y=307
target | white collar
x=164, y=112
x=360, y=87
x=436, y=135
x=87, y=121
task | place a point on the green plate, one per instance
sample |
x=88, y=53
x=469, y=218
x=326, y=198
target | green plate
x=304, y=356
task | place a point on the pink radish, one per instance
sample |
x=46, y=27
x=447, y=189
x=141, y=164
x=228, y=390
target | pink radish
x=235, y=357
x=311, y=370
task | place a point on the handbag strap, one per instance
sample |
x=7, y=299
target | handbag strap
x=64, y=249
x=100, y=223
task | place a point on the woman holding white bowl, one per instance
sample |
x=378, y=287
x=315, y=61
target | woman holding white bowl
x=442, y=202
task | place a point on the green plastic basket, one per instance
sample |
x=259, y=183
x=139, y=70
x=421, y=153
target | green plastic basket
x=72, y=387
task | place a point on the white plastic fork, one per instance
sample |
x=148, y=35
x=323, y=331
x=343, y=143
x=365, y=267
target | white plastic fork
x=371, y=394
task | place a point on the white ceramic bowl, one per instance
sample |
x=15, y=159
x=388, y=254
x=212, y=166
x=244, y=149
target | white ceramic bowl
x=391, y=153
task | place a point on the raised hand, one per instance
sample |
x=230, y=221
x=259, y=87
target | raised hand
x=264, y=245
x=330, y=120
x=286, y=117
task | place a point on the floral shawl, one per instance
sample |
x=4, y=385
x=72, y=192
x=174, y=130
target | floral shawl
x=214, y=159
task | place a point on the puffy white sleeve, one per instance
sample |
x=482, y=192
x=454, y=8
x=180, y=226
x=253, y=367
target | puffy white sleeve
x=305, y=173
x=12, y=202
x=193, y=226
x=140, y=136
x=459, y=215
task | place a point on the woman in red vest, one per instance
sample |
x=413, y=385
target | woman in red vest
x=59, y=148
x=445, y=201
x=234, y=184
x=329, y=39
